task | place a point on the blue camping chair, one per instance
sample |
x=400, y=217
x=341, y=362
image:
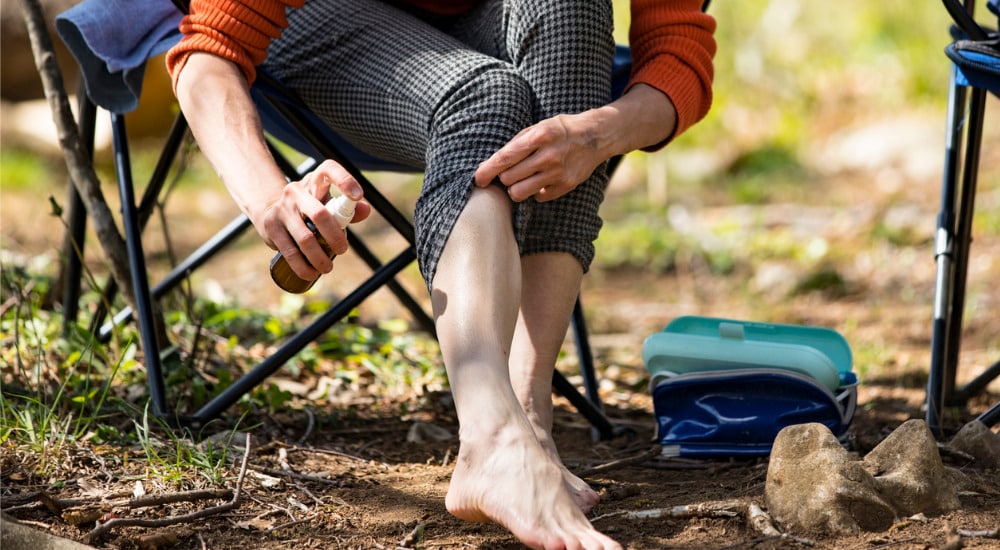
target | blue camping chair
x=975, y=56
x=288, y=121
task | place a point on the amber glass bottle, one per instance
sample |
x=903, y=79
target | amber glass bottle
x=342, y=209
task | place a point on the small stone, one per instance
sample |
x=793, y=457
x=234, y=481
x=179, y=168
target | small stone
x=980, y=442
x=813, y=486
x=909, y=473
x=17, y=536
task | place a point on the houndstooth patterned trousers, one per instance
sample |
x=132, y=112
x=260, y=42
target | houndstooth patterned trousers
x=443, y=93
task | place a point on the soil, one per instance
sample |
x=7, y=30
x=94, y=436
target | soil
x=346, y=475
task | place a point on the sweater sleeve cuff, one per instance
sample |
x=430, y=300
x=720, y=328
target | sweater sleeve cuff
x=238, y=31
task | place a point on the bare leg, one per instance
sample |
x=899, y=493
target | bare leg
x=503, y=473
x=550, y=285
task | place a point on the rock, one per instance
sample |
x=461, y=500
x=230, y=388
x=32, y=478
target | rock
x=813, y=485
x=422, y=432
x=17, y=536
x=977, y=440
x=909, y=473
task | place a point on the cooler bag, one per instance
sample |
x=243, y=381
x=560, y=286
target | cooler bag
x=723, y=387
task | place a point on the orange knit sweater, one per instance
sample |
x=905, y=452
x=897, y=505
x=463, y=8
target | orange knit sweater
x=672, y=42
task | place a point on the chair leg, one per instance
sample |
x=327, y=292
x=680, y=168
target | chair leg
x=421, y=317
x=992, y=416
x=952, y=242
x=590, y=406
x=143, y=212
x=137, y=264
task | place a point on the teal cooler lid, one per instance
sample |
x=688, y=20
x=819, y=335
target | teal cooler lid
x=697, y=344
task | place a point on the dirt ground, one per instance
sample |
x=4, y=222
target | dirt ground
x=328, y=478
x=348, y=476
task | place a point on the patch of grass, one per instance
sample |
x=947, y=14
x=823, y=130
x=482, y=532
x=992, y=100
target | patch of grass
x=870, y=357
x=174, y=456
x=826, y=280
x=23, y=170
x=394, y=361
x=57, y=389
x=765, y=161
x=65, y=387
x=639, y=242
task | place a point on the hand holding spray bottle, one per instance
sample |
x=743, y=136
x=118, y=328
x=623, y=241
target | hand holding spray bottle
x=342, y=209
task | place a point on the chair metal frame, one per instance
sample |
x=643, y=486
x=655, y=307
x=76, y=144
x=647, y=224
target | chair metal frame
x=965, y=116
x=318, y=138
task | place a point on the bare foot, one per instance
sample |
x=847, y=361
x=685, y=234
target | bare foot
x=583, y=494
x=511, y=480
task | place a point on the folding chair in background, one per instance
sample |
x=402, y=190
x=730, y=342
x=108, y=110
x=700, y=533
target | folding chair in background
x=975, y=55
x=287, y=120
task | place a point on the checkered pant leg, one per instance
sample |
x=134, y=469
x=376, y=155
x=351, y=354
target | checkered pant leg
x=406, y=91
x=564, y=50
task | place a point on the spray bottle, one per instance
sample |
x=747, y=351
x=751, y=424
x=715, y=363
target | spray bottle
x=342, y=209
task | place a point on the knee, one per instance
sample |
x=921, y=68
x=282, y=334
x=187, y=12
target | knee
x=490, y=207
x=489, y=100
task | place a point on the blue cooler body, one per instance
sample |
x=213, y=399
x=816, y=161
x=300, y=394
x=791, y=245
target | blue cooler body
x=724, y=387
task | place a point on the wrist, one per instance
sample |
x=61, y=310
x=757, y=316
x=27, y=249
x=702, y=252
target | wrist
x=647, y=118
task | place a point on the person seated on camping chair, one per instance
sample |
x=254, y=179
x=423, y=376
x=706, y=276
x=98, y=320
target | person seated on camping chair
x=506, y=105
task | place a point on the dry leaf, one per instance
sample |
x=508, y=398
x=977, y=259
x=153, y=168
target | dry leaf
x=266, y=481
x=90, y=489
x=258, y=523
x=80, y=515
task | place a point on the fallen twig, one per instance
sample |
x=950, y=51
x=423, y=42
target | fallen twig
x=759, y=540
x=761, y=522
x=310, y=426
x=293, y=474
x=987, y=534
x=950, y=452
x=57, y=505
x=675, y=464
x=184, y=496
x=653, y=451
x=328, y=452
x=717, y=509
x=306, y=519
x=757, y=517
x=103, y=528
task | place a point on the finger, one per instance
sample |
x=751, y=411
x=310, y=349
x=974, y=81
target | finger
x=332, y=174
x=515, y=151
x=533, y=166
x=552, y=192
x=361, y=212
x=329, y=230
x=527, y=188
x=290, y=251
x=310, y=248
